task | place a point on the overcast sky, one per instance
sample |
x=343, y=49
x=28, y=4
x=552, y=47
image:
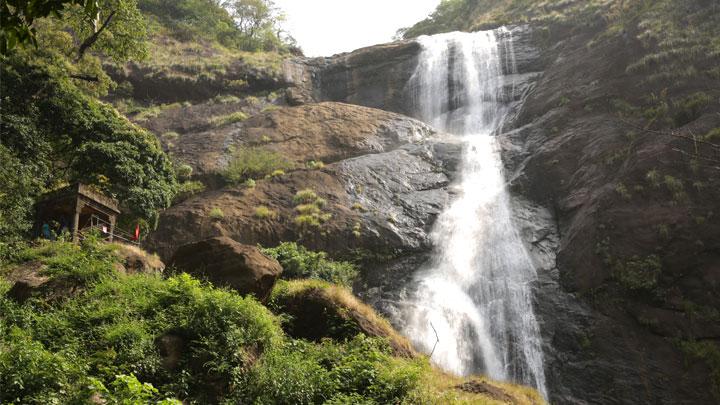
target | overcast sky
x=327, y=27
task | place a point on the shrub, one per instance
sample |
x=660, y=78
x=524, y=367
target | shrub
x=690, y=108
x=639, y=274
x=653, y=177
x=253, y=163
x=263, y=212
x=315, y=165
x=676, y=187
x=306, y=196
x=275, y=173
x=183, y=172
x=216, y=214
x=298, y=262
x=187, y=190
x=361, y=370
x=232, y=118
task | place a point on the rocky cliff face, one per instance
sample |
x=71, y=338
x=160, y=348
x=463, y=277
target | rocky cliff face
x=600, y=225
x=619, y=217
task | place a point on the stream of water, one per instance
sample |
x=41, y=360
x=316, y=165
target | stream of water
x=474, y=298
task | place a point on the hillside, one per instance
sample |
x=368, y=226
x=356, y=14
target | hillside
x=298, y=204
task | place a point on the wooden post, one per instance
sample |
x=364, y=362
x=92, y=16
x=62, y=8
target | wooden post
x=112, y=227
x=76, y=221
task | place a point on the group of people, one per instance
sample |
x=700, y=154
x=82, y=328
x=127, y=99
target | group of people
x=53, y=229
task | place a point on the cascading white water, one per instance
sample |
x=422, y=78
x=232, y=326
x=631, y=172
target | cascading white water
x=476, y=291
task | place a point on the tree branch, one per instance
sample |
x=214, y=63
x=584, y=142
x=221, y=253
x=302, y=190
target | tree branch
x=86, y=78
x=90, y=41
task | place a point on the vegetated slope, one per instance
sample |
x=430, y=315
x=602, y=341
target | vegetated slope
x=619, y=137
x=87, y=332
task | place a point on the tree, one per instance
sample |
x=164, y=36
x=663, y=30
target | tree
x=258, y=22
x=55, y=132
x=17, y=18
x=116, y=28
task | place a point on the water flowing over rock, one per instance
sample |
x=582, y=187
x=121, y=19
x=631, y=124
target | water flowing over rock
x=474, y=296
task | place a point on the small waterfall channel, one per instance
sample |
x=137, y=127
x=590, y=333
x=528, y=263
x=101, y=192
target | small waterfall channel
x=475, y=293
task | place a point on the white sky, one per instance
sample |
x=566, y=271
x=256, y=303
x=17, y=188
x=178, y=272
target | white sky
x=327, y=27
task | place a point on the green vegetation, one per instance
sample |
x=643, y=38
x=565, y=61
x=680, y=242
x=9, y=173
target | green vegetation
x=253, y=163
x=216, y=214
x=639, y=274
x=249, y=25
x=188, y=189
x=310, y=212
x=709, y=353
x=67, y=136
x=315, y=165
x=141, y=338
x=300, y=263
x=263, y=212
x=232, y=118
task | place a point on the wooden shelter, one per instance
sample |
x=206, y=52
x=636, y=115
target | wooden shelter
x=77, y=209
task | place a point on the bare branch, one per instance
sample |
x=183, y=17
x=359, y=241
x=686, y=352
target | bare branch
x=90, y=41
x=437, y=339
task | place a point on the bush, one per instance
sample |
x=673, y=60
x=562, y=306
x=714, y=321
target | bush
x=263, y=212
x=361, y=369
x=187, y=190
x=298, y=262
x=237, y=116
x=216, y=214
x=253, y=163
x=19, y=185
x=639, y=274
x=306, y=196
x=183, y=172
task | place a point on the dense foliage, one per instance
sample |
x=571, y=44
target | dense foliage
x=298, y=262
x=53, y=133
x=146, y=339
x=250, y=25
x=17, y=18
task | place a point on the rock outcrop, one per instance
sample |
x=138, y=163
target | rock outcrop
x=325, y=132
x=227, y=263
x=320, y=310
x=375, y=77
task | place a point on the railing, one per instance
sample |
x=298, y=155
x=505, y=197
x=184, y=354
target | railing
x=107, y=232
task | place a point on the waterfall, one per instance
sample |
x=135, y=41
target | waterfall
x=475, y=293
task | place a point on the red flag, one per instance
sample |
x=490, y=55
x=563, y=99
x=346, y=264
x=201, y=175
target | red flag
x=137, y=232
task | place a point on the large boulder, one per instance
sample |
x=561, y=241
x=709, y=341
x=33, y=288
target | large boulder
x=227, y=263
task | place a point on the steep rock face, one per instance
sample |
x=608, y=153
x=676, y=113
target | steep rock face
x=638, y=252
x=325, y=132
x=606, y=342
x=374, y=76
